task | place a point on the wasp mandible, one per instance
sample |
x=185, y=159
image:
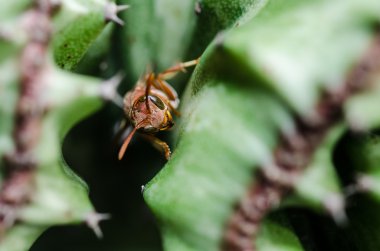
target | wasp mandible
x=148, y=107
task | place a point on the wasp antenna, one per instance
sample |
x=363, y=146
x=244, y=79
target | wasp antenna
x=128, y=139
x=126, y=143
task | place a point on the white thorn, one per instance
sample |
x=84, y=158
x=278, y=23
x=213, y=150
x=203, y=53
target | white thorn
x=219, y=39
x=108, y=90
x=142, y=189
x=103, y=66
x=92, y=220
x=9, y=214
x=111, y=10
x=198, y=7
x=122, y=7
x=356, y=124
x=117, y=20
x=365, y=182
x=335, y=205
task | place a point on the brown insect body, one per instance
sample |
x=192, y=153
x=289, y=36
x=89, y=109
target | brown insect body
x=151, y=118
x=148, y=107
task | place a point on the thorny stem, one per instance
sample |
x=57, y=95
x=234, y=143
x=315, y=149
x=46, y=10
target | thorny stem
x=20, y=164
x=292, y=156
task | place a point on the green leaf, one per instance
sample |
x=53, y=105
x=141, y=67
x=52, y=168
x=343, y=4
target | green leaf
x=215, y=16
x=157, y=33
x=21, y=237
x=11, y=9
x=225, y=137
x=319, y=182
x=361, y=111
x=276, y=234
x=77, y=25
x=286, y=43
x=250, y=83
x=59, y=196
x=362, y=163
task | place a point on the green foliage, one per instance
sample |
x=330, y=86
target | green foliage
x=76, y=19
x=59, y=196
x=285, y=54
x=161, y=38
x=265, y=65
x=218, y=172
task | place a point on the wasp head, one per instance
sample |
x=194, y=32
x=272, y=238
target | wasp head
x=149, y=116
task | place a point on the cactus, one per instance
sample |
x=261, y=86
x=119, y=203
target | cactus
x=236, y=162
x=40, y=103
x=276, y=145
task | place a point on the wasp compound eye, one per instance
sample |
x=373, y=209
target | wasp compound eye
x=149, y=129
x=141, y=99
x=157, y=101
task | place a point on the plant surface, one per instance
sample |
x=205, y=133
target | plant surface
x=276, y=147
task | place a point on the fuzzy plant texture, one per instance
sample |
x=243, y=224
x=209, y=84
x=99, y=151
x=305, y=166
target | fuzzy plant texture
x=277, y=146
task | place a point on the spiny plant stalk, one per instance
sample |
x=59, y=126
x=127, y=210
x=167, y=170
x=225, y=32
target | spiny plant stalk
x=40, y=104
x=267, y=118
x=20, y=165
x=293, y=155
x=271, y=98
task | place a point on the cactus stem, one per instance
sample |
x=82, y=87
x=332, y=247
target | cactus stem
x=108, y=90
x=280, y=176
x=20, y=164
x=292, y=156
x=111, y=10
x=93, y=219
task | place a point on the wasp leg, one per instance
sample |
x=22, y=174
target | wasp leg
x=167, y=89
x=170, y=92
x=169, y=73
x=159, y=145
x=174, y=110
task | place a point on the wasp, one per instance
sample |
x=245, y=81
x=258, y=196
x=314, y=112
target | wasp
x=148, y=107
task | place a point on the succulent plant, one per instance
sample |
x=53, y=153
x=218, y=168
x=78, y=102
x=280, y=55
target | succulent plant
x=276, y=145
x=40, y=103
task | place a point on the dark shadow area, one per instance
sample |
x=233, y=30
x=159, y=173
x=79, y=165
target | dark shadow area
x=319, y=232
x=115, y=188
